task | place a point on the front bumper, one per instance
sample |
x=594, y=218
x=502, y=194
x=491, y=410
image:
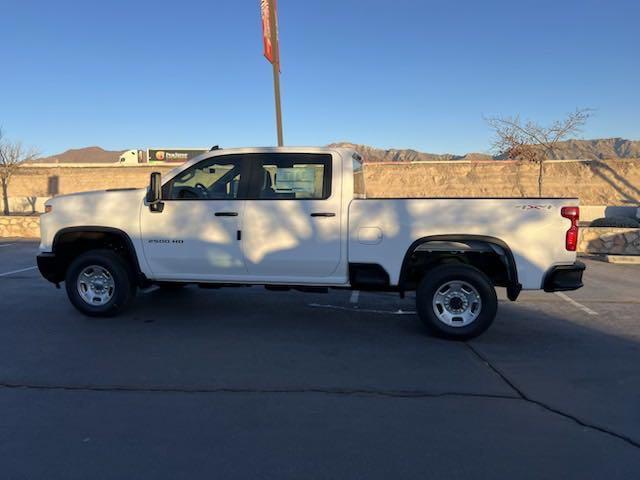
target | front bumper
x=564, y=277
x=49, y=267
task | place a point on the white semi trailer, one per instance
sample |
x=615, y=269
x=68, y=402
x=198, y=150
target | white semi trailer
x=160, y=155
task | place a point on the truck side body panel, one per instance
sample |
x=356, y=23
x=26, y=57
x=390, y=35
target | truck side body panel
x=382, y=230
x=117, y=209
x=274, y=241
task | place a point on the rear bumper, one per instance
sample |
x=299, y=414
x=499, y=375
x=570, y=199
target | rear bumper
x=49, y=267
x=564, y=277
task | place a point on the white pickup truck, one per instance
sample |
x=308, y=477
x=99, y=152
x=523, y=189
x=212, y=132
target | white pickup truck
x=299, y=218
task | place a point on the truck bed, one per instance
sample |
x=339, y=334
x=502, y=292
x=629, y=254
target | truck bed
x=382, y=230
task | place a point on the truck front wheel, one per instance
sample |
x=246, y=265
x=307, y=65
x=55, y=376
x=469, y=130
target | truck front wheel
x=99, y=283
x=456, y=301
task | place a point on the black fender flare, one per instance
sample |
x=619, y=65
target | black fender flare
x=505, y=253
x=108, y=230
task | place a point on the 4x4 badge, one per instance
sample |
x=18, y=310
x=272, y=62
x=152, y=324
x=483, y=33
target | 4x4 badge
x=534, y=207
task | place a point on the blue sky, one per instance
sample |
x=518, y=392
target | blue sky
x=417, y=74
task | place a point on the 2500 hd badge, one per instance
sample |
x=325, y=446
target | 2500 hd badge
x=153, y=240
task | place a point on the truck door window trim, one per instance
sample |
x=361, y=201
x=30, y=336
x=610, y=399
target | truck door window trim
x=242, y=185
x=257, y=160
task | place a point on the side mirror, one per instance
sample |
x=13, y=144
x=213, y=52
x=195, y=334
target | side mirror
x=154, y=194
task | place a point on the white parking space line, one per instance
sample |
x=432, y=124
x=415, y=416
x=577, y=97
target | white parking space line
x=6, y=244
x=17, y=271
x=354, y=296
x=364, y=310
x=586, y=310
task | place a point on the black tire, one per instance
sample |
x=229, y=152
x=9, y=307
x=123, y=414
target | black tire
x=124, y=286
x=436, y=279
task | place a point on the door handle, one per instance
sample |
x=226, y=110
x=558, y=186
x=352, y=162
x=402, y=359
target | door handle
x=323, y=214
x=226, y=214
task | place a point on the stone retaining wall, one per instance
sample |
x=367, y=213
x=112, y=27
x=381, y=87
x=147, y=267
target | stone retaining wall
x=48, y=181
x=610, y=240
x=610, y=182
x=20, y=226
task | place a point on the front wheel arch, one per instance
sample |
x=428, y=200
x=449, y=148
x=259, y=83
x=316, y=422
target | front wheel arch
x=70, y=242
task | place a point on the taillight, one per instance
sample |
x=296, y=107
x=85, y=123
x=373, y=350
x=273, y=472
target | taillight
x=571, y=238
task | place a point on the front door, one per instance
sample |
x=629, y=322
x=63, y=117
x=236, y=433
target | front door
x=195, y=237
x=291, y=224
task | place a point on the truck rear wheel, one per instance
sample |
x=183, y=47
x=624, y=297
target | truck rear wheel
x=456, y=301
x=99, y=283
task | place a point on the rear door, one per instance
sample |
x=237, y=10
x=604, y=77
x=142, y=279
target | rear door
x=196, y=235
x=291, y=225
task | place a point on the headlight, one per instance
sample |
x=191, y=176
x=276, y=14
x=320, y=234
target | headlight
x=48, y=208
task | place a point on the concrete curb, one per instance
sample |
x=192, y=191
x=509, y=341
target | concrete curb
x=617, y=259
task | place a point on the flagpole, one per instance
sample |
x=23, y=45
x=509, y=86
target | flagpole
x=273, y=26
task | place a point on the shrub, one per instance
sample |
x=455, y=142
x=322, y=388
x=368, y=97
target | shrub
x=618, y=222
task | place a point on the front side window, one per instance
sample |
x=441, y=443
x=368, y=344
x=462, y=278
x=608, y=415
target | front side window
x=291, y=176
x=216, y=178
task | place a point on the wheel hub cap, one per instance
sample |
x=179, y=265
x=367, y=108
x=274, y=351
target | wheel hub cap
x=95, y=285
x=457, y=303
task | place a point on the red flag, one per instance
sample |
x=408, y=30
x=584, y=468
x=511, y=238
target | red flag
x=269, y=39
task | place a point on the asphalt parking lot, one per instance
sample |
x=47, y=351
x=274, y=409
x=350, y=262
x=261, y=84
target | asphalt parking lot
x=244, y=383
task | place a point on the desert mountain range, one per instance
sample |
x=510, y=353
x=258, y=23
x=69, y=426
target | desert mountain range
x=599, y=149
x=84, y=155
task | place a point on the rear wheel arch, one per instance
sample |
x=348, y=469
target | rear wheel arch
x=490, y=255
x=71, y=242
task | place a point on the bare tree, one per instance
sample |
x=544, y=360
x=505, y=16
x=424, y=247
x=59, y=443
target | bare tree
x=12, y=155
x=33, y=202
x=532, y=142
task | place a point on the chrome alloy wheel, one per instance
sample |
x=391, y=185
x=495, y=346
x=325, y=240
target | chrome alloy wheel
x=457, y=303
x=95, y=285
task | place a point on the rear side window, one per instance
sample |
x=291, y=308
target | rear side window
x=358, y=177
x=290, y=176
